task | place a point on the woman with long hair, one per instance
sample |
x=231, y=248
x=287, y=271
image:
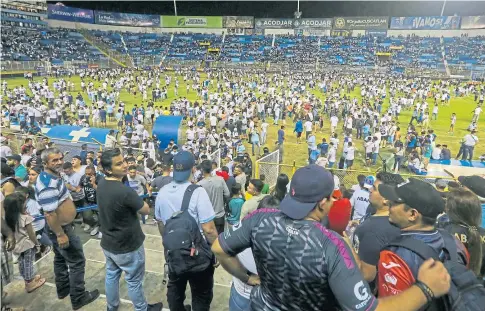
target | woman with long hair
x=465, y=214
x=20, y=222
x=281, y=189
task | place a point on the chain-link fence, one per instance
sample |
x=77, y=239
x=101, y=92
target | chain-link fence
x=269, y=166
x=347, y=178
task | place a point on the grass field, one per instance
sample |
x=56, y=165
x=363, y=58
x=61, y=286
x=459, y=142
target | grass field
x=297, y=153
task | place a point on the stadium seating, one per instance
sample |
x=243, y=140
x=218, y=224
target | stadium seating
x=55, y=45
x=58, y=45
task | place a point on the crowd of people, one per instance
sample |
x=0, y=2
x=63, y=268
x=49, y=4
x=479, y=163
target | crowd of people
x=359, y=247
x=236, y=108
x=405, y=52
x=210, y=214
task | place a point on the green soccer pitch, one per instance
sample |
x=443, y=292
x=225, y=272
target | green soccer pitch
x=297, y=153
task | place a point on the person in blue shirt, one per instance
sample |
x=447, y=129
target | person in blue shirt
x=281, y=140
x=235, y=205
x=298, y=130
x=128, y=118
x=323, y=147
x=255, y=142
x=102, y=116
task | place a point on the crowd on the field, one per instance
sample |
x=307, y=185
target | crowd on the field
x=234, y=107
x=271, y=236
x=260, y=236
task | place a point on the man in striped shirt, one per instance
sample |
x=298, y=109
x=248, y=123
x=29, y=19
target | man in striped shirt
x=59, y=210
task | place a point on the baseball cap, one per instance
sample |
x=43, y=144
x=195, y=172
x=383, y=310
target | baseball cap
x=15, y=157
x=369, y=182
x=309, y=185
x=183, y=162
x=416, y=193
x=77, y=157
x=475, y=183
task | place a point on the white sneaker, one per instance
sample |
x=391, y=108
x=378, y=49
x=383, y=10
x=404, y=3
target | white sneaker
x=94, y=231
x=87, y=228
x=100, y=235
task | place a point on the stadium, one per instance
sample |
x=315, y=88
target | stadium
x=258, y=90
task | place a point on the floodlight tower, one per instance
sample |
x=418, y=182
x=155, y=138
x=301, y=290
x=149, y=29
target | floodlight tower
x=297, y=13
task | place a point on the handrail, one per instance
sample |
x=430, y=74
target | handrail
x=95, y=206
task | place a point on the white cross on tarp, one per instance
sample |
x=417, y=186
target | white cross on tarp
x=76, y=135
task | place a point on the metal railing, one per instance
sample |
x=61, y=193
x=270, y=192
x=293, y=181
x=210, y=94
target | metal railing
x=348, y=178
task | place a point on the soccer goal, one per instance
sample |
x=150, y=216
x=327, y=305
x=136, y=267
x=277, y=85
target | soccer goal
x=269, y=166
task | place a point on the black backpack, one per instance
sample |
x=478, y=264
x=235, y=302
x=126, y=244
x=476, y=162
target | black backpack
x=466, y=293
x=186, y=250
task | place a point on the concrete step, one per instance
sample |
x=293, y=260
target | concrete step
x=45, y=298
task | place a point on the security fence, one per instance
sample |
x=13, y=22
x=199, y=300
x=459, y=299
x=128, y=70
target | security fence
x=216, y=157
x=348, y=178
x=269, y=166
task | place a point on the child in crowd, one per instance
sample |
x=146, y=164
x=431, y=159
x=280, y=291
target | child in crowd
x=235, y=205
x=26, y=245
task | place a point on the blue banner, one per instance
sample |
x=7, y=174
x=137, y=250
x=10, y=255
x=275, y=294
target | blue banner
x=426, y=22
x=65, y=13
x=127, y=19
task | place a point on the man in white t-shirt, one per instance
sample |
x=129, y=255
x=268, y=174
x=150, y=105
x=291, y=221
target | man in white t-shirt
x=349, y=156
x=264, y=132
x=360, y=200
x=476, y=113
x=308, y=128
x=333, y=123
x=469, y=142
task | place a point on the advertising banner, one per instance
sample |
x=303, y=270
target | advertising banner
x=473, y=22
x=426, y=22
x=237, y=22
x=191, y=21
x=273, y=23
x=341, y=33
x=126, y=19
x=361, y=23
x=316, y=23
x=376, y=33
x=65, y=13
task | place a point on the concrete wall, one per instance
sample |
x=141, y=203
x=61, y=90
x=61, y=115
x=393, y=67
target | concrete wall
x=279, y=31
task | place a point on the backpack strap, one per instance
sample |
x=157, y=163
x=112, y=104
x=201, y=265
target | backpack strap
x=187, y=196
x=416, y=246
x=450, y=244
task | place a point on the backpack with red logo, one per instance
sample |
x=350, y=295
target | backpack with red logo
x=466, y=293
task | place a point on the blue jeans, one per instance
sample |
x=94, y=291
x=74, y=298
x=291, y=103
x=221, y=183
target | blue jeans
x=133, y=264
x=237, y=302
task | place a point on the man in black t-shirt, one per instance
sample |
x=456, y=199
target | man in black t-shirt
x=375, y=231
x=303, y=265
x=122, y=239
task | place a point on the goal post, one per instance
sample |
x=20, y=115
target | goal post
x=269, y=166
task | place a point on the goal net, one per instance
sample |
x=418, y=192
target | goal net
x=269, y=167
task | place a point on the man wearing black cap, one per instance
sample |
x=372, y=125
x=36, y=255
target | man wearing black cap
x=303, y=265
x=476, y=184
x=413, y=207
